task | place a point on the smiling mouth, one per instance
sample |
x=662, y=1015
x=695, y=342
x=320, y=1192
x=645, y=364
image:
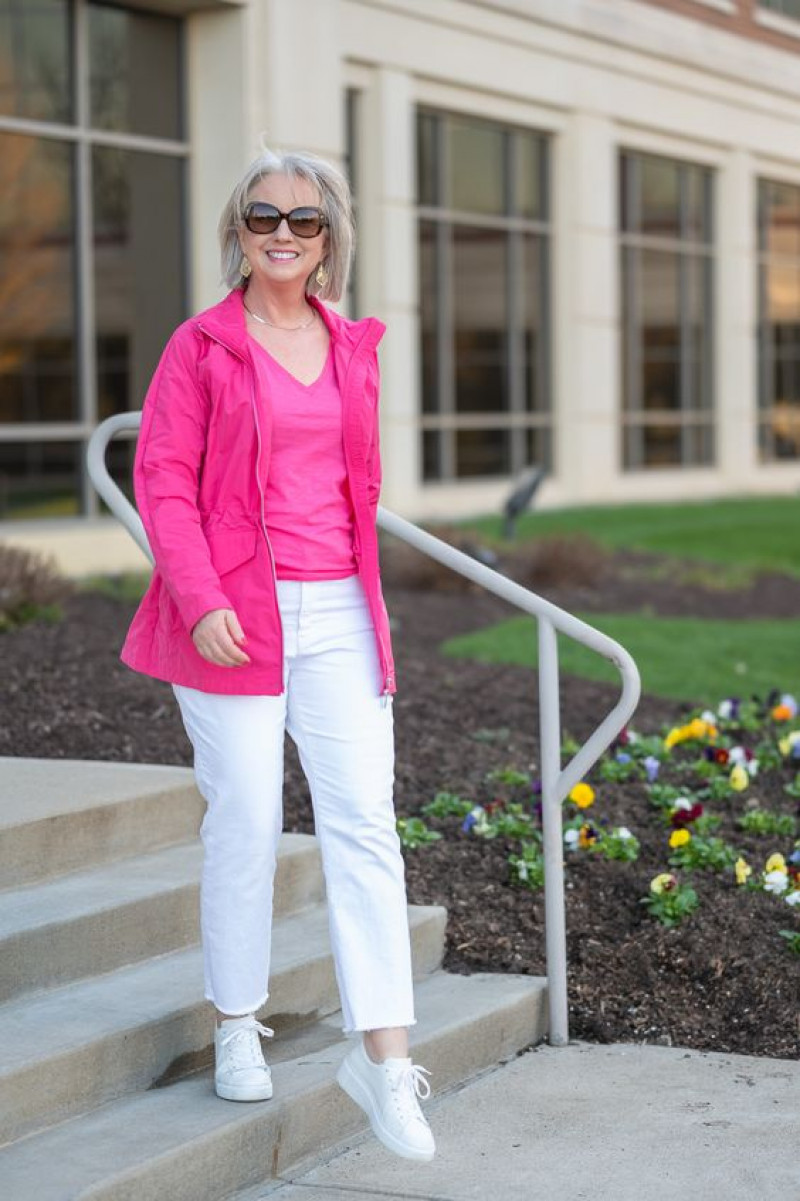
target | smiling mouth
x=282, y=255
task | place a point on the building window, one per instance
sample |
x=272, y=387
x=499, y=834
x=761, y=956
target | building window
x=779, y=320
x=788, y=8
x=484, y=268
x=92, y=236
x=666, y=249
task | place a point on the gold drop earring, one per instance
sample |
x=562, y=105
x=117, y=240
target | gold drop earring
x=321, y=274
x=245, y=268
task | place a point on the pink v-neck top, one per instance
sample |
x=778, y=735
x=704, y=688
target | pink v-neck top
x=308, y=510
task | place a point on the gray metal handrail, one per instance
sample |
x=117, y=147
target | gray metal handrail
x=556, y=781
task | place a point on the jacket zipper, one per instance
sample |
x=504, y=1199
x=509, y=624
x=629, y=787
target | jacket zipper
x=262, y=517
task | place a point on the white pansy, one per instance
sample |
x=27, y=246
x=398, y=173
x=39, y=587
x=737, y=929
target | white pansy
x=708, y=717
x=623, y=832
x=725, y=709
x=571, y=838
x=776, y=882
x=752, y=767
x=793, y=898
x=737, y=755
x=682, y=802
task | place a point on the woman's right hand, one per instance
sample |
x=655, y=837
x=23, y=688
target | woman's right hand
x=215, y=635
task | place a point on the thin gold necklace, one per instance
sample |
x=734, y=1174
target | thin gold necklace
x=264, y=321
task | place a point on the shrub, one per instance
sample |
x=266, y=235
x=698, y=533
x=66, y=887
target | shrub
x=31, y=586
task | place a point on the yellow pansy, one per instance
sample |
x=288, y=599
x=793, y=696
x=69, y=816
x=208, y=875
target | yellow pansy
x=679, y=838
x=739, y=778
x=661, y=882
x=775, y=863
x=582, y=795
x=743, y=870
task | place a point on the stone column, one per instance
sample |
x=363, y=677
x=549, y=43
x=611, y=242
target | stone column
x=736, y=309
x=388, y=271
x=586, y=355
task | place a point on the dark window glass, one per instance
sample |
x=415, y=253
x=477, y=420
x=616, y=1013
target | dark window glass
x=34, y=59
x=476, y=158
x=657, y=444
x=538, y=447
x=138, y=268
x=483, y=452
x=533, y=315
x=660, y=197
x=696, y=204
x=429, y=309
x=666, y=310
x=428, y=156
x=788, y=8
x=779, y=320
x=480, y=292
x=779, y=218
x=432, y=468
x=530, y=193
x=37, y=335
x=135, y=75
x=39, y=479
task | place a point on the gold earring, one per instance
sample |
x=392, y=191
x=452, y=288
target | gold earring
x=321, y=275
x=245, y=268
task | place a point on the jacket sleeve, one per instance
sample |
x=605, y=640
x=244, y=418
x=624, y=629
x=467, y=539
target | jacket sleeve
x=166, y=478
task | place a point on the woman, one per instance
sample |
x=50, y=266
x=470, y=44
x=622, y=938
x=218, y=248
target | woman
x=257, y=477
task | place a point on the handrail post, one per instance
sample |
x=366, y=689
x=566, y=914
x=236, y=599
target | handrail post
x=552, y=835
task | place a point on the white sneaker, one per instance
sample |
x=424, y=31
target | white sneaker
x=240, y=1072
x=387, y=1092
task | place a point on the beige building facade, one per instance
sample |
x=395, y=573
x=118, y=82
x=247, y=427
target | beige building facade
x=579, y=219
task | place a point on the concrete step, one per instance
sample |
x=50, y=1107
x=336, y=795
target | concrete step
x=59, y=816
x=95, y=921
x=185, y=1143
x=70, y=1049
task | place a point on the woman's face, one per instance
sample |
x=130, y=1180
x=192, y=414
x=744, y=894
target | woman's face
x=260, y=248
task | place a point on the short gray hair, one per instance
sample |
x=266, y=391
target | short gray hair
x=335, y=202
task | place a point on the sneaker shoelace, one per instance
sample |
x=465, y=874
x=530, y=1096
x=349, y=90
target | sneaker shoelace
x=407, y=1084
x=246, y=1051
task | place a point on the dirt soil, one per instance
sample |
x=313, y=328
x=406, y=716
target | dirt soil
x=722, y=981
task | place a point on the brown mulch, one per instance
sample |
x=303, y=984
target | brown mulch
x=723, y=980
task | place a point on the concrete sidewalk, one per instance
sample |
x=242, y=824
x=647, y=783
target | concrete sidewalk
x=590, y=1122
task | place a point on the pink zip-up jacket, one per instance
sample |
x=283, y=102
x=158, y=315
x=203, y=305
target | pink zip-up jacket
x=200, y=471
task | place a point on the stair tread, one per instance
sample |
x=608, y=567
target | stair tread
x=99, y=889
x=58, y=1020
x=37, y=789
x=115, y=1141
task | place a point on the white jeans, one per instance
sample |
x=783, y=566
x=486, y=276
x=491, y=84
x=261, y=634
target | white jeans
x=344, y=732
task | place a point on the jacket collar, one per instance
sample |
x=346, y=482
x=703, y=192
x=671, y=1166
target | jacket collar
x=227, y=321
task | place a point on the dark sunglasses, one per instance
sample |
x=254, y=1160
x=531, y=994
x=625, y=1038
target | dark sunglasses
x=262, y=218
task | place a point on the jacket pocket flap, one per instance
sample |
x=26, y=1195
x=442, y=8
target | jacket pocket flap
x=231, y=548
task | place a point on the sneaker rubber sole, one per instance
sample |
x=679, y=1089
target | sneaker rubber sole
x=358, y=1092
x=241, y=1092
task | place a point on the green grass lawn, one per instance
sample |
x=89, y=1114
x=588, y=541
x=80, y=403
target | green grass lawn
x=748, y=533
x=683, y=658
